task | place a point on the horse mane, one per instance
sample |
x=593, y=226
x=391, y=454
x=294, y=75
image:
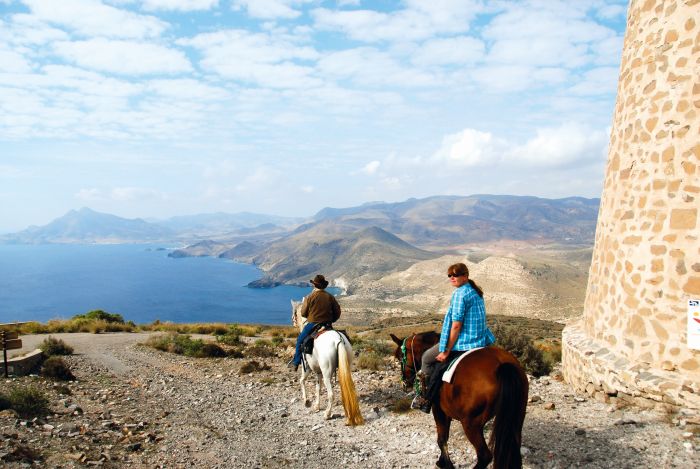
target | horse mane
x=429, y=336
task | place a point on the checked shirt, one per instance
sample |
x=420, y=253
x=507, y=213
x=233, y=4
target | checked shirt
x=467, y=307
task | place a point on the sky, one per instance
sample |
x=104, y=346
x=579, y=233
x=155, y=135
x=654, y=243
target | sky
x=158, y=108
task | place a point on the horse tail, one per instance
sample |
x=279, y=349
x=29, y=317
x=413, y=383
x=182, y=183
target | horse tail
x=347, y=387
x=510, y=416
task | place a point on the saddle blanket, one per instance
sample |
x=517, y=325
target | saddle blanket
x=447, y=375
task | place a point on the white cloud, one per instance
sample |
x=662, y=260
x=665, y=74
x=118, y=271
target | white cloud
x=371, y=67
x=89, y=194
x=180, y=5
x=568, y=144
x=447, y=51
x=11, y=61
x=93, y=18
x=307, y=189
x=420, y=20
x=470, y=147
x=268, y=9
x=187, y=88
x=371, y=167
x=602, y=80
x=256, y=58
x=123, y=57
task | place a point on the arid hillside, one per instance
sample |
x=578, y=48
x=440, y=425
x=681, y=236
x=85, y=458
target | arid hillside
x=518, y=280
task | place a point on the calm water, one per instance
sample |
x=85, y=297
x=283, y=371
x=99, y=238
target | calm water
x=139, y=282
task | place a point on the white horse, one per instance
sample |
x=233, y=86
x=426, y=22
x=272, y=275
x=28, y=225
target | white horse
x=332, y=351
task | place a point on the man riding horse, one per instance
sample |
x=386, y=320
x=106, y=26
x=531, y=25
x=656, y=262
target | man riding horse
x=319, y=307
x=464, y=328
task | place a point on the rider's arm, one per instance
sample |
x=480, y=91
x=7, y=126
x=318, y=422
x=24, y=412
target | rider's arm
x=454, y=335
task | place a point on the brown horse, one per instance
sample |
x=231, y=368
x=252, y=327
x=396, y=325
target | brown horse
x=487, y=383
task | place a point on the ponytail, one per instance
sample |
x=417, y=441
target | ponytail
x=461, y=269
x=477, y=288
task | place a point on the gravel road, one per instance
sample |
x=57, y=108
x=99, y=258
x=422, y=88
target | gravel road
x=136, y=407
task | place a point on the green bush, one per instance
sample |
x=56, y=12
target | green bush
x=56, y=368
x=184, y=345
x=99, y=315
x=52, y=346
x=230, y=338
x=28, y=402
x=524, y=349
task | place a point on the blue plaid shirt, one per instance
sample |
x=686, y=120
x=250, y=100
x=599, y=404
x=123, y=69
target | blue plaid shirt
x=467, y=307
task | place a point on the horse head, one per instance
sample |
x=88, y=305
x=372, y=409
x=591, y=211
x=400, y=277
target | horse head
x=297, y=320
x=409, y=352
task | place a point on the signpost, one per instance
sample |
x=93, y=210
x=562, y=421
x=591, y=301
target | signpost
x=10, y=341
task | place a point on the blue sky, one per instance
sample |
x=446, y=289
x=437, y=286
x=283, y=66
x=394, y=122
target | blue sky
x=157, y=108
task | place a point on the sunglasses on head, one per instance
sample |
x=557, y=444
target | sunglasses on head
x=455, y=275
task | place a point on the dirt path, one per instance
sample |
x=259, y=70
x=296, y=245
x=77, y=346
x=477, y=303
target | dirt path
x=144, y=408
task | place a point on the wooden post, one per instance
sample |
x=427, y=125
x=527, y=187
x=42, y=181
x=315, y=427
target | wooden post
x=10, y=341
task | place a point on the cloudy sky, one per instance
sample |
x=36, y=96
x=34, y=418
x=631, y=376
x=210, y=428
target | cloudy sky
x=157, y=108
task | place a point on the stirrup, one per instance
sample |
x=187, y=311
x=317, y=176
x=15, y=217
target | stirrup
x=421, y=403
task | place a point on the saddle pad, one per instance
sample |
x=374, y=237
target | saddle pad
x=447, y=375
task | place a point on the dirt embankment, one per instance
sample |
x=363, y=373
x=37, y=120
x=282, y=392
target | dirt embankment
x=137, y=407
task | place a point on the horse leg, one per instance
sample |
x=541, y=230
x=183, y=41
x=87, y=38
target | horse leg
x=442, y=424
x=475, y=433
x=302, y=381
x=329, y=391
x=317, y=403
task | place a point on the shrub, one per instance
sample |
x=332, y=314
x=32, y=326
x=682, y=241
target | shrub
x=28, y=402
x=370, y=361
x=253, y=366
x=378, y=347
x=229, y=338
x=56, y=368
x=262, y=349
x=99, y=315
x=52, y=346
x=522, y=346
x=277, y=341
x=184, y=345
x=4, y=402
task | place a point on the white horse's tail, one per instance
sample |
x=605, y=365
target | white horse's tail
x=347, y=387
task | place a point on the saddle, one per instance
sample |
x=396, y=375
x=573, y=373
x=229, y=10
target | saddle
x=307, y=346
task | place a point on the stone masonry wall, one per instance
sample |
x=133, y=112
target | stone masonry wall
x=646, y=260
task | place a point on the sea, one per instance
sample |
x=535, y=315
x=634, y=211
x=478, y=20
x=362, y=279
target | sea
x=140, y=282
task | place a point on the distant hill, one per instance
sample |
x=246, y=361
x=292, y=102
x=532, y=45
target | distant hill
x=442, y=221
x=336, y=250
x=88, y=226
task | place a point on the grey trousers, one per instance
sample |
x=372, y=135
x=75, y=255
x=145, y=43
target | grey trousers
x=428, y=360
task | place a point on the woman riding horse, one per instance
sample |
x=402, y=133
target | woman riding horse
x=464, y=328
x=488, y=382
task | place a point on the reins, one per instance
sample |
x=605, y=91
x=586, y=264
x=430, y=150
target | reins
x=404, y=362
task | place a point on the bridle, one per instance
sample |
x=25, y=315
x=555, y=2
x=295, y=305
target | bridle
x=404, y=364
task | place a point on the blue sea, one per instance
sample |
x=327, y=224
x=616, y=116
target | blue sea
x=140, y=282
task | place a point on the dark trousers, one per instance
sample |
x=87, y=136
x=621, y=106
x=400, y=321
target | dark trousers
x=302, y=335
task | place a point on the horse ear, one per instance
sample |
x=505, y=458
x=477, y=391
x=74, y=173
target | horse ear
x=396, y=339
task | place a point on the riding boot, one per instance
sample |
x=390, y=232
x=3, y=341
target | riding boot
x=420, y=402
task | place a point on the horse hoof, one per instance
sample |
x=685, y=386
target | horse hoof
x=328, y=416
x=307, y=404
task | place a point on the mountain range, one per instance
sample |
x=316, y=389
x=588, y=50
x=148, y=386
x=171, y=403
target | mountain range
x=366, y=241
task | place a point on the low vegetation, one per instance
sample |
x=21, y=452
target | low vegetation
x=96, y=321
x=183, y=344
x=27, y=401
x=52, y=346
x=253, y=366
x=523, y=347
x=57, y=369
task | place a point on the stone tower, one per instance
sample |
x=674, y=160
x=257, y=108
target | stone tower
x=632, y=341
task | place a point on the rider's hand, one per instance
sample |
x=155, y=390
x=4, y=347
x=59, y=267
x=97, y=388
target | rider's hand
x=442, y=356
